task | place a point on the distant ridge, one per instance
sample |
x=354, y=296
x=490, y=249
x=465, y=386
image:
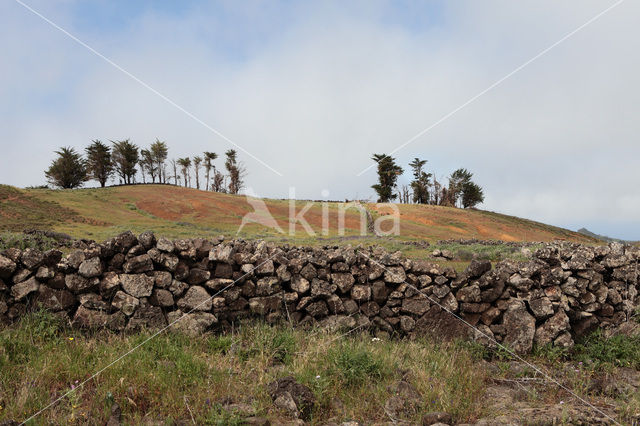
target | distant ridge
x=585, y=231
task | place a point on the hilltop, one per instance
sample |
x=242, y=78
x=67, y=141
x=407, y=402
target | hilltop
x=179, y=212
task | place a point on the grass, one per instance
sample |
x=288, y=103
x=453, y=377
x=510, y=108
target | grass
x=173, y=377
x=176, y=212
x=176, y=378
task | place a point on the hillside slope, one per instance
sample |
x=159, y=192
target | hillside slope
x=179, y=212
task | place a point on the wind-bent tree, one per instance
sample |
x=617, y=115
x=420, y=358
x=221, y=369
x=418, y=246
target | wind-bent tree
x=388, y=172
x=457, y=181
x=159, y=153
x=148, y=165
x=99, y=163
x=197, y=160
x=185, y=164
x=125, y=157
x=472, y=194
x=209, y=157
x=236, y=172
x=421, y=182
x=68, y=170
x=218, y=183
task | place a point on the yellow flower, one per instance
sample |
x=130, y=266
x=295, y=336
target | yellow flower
x=70, y=338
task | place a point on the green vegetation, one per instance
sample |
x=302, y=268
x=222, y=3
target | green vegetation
x=173, y=377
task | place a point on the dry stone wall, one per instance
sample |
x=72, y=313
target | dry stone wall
x=132, y=282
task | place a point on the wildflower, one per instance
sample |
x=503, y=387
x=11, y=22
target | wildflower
x=71, y=339
x=561, y=402
x=317, y=377
x=375, y=339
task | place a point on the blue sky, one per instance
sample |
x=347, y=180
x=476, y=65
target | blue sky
x=314, y=88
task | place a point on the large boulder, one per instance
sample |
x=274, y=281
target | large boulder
x=137, y=285
x=192, y=324
x=25, y=288
x=138, y=264
x=520, y=327
x=91, y=268
x=552, y=328
x=196, y=299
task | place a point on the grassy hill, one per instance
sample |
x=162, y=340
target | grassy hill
x=182, y=212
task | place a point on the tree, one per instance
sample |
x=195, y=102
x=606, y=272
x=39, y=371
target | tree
x=147, y=164
x=236, y=172
x=125, y=157
x=457, y=181
x=472, y=194
x=159, y=153
x=68, y=170
x=421, y=181
x=175, y=171
x=185, y=163
x=197, y=160
x=388, y=172
x=218, y=183
x=208, y=165
x=99, y=163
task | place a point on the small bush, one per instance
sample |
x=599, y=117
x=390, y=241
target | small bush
x=620, y=350
x=355, y=365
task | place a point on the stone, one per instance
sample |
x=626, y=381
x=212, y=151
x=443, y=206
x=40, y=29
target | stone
x=161, y=297
x=137, y=285
x=25, y=288
x=165, y=245
x=109, y=283
x=138, y=264
x=196, y=299
x=361, y=293
x=407, y=323
x=7, y=267
x=264, y=305
x=124, y=302
x=146, y=317
x=31, y=258
x=301, y=395
x=300, y=285
x=344, y=281
x=308, y=272
x=542, y=308
x=551, y=328
x=477, y=268
x=55, y=300
x=193, y=324
x=198, y=276
x=125, y=241
x=147, y=239
x=222, y=253
x=416, y=306
x=285, y=402
x=91, y=268
x=320, y=288
x=394, y=275
x=317, y=309
x=45, y=273
x=469, y=294
x=520, y=327
x=87, y=318
x=79, y=284
x=436, y=417
x=93, y=301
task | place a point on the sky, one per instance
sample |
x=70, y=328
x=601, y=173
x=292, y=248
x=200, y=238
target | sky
x=307, y=91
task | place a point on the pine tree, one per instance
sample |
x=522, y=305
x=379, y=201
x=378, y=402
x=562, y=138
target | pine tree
x=99, y=163
x=388, y=172
x=421, y=182
x=125, y=157
x=68, y=170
